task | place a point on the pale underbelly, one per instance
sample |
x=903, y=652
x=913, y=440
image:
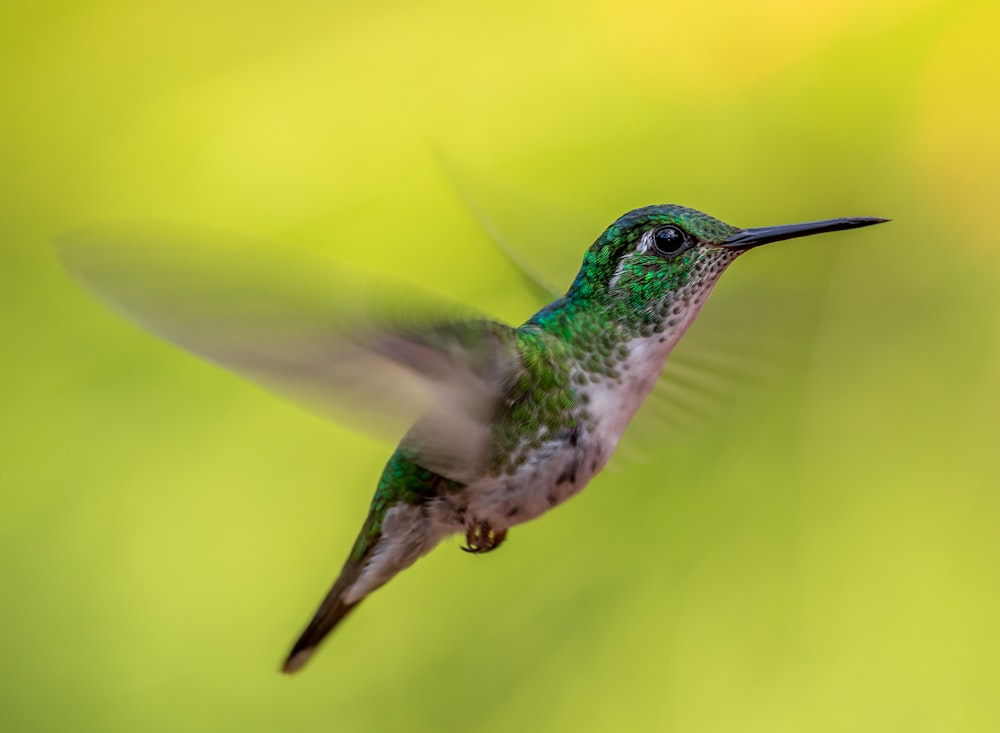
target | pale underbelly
x=553, y=471
x=549, y=476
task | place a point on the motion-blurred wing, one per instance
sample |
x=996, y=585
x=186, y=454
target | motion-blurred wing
x=295, y=323
x=541, y=288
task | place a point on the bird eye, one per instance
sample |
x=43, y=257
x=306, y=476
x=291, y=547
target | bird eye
x=669, y=240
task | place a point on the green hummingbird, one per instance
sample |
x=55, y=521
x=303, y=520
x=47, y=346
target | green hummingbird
x=513, y=421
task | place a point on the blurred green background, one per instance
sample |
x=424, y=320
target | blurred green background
x=820, y=554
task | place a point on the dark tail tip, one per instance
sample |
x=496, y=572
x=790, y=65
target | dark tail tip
x=297, y=659
x=330, y=613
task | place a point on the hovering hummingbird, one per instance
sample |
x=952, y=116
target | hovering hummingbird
x=514, y=421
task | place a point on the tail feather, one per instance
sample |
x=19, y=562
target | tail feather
x=404, y=533
x=330, y=613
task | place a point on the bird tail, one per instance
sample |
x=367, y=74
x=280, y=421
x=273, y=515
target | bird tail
x=384, y=547
x=330, y=613
x=333, y=609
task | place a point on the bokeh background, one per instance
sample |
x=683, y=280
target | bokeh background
x=819, y=552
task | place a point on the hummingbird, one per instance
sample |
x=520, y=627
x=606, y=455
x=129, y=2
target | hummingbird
x=516, y=420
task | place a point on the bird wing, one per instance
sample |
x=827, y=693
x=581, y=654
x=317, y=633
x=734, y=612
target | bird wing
x=296, y=324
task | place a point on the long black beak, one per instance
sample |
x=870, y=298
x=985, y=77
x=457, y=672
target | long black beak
x=749, y=238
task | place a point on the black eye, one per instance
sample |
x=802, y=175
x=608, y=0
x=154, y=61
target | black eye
x=669, y=240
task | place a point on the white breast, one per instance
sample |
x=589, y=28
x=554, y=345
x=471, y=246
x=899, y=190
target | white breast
x=613, y=403
x=558, y=469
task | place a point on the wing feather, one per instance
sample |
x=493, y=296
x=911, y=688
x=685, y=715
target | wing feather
x=303, y=327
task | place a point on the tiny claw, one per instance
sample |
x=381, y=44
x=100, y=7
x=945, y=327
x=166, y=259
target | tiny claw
x=481, y=538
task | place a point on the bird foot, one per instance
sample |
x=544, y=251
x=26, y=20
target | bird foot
x=481, y=538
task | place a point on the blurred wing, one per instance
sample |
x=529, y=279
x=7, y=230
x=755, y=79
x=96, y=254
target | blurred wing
x=536, y=282
x=746, y=348
x=299, y=326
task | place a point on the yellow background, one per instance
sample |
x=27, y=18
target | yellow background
x=820, y=554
